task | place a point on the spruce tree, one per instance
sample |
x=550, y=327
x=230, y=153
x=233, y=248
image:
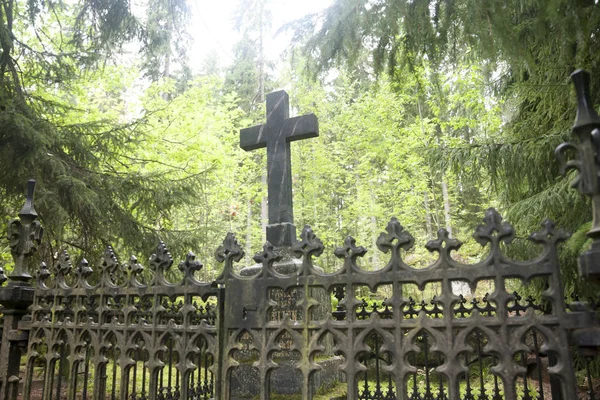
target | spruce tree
x=62, y=122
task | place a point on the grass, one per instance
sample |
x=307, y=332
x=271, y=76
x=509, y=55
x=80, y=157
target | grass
x=338, y=391
x=39, y=374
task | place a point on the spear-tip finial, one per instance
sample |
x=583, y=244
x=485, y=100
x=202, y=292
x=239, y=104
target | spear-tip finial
x=586, y=115
x=28, y=209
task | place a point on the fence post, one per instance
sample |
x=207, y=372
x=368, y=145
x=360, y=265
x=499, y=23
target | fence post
x=24, y=235
x=587, y=163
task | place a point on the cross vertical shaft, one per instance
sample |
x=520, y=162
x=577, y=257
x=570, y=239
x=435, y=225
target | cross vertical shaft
x=276, y=136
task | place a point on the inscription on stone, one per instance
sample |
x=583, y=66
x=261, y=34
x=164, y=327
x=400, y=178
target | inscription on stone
x=286, y=304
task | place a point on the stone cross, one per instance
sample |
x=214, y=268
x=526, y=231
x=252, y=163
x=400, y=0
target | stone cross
x=276, y=136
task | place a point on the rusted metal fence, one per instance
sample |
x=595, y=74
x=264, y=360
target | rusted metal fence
x=128, y=332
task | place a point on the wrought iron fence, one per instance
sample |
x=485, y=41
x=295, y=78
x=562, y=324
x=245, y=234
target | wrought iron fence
x=286, y=326
x=135, y=340
x=401, y=348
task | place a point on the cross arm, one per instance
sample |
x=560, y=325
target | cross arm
x=303, y=127
x=253, y=138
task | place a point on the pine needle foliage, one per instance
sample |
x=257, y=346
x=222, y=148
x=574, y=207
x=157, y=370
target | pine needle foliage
x=62, y=122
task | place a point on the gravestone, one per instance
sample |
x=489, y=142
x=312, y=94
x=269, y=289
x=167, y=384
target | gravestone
x=276, y=136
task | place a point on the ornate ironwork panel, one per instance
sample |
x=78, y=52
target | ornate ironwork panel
x=400, y=348
x=132, y=334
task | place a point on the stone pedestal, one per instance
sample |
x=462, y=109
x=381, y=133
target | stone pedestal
x=286, y=301
x=288, y=265
x=287, y=379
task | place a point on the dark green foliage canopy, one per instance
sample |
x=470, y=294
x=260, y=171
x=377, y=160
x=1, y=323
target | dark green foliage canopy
x=91, y=184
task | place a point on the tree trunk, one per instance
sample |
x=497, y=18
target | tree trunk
x=427, y=216
x=264, y=207
x=458, y=287
x=249, y=234
x=375, y=256
x=261, y=54
x=447, y=219
x=435, y=215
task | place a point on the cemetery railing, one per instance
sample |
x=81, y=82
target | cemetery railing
x=126, y=332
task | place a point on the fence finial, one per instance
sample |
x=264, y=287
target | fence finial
x=586, y=115
x=24, y=235
x=585, y=158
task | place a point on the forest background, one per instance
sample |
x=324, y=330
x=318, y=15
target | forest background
x=429, y=110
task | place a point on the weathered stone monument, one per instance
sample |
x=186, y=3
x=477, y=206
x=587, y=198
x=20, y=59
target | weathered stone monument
x=276, y=136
